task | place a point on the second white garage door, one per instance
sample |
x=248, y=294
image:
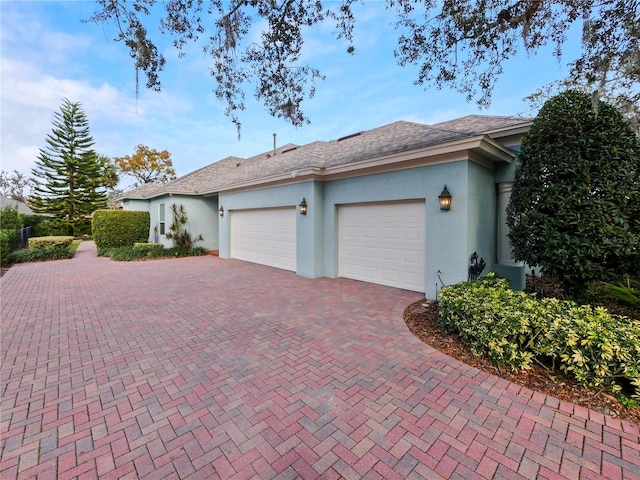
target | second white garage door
x=266, y=236
x=383, y=243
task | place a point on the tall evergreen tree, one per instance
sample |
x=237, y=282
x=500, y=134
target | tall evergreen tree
x=70, y=185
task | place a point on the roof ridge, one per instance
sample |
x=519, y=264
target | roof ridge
x=292, y=158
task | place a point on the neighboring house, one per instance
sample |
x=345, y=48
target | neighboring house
x=372, y=204
x=23, y=208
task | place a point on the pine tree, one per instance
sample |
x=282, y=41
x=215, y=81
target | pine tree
x=69, y=182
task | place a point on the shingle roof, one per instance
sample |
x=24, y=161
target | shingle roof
x=390, y=139
x=22, y=207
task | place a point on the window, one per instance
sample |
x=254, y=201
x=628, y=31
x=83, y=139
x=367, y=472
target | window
x=161, y=219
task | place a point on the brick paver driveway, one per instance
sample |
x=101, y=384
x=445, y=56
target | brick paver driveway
x=208, y=368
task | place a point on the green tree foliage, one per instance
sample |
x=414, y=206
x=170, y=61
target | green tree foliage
x=110, y=177
x=108, y=172
x=618, y=84
x=9, y=239
x=147, y=165
x=10, y=219
x=69, y=182
x=574, y=207
x=462, y=44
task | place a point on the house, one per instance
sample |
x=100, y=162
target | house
x=365, y=206
x=21, y=207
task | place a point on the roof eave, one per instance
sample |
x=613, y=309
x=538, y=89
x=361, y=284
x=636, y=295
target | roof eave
x=300, y=175
x=481, y=145
x=492, y=150
x=518, y=129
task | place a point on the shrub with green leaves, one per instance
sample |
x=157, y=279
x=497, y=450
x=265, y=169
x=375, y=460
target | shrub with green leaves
x=12, y=237
x=10, y=219
x=119, y=228
x=624, y=293
x=40, y=254
x=514, y=329
x=50, y=242
x=4, y=247
x=493, y=319
x=126, y=254
x=8, y=243
x=147, y=245
x=575, y=206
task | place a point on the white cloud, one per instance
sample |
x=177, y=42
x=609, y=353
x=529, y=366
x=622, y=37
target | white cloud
x=29, y=98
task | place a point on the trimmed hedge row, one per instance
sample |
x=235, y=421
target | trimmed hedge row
x=119, y=228
x=126, y=254
x=514, y=329
x=40, y=254
x=36, y=243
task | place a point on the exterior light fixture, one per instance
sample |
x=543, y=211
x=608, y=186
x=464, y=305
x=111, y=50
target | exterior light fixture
x=445, y=199
x=303, y=207
x=221, y=211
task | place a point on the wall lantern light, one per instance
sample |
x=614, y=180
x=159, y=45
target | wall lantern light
x=303, y=207
x=221, y=211
x=445, y=199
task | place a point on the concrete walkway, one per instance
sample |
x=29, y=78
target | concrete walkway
x=204, y=368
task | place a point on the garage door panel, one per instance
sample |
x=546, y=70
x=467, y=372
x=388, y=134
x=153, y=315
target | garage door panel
x=389, y=254
x=266, y=236
x=383, y=243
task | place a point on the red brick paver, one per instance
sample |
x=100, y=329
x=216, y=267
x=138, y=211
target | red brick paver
x=205, y=368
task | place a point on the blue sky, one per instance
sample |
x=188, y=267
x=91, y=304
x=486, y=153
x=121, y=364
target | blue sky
x=48, y=54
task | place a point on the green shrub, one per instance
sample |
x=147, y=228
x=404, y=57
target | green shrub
x=623, y=293
x=36, y=243
x=10, y=219
x=491, y=318
x=40, y=254
x=9, y=241
x=49, y=227
x=125, y=254
x=39, y=226
x=119, y=228
x=514, y=329
x=574, y=207
x=4, y=247
x=147, y=245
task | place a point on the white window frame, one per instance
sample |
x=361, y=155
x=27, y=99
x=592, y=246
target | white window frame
x=162, y=219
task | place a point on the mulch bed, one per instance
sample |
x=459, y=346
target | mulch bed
x=421, y=318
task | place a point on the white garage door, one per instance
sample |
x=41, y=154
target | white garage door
x=383, y=243
x=266, y=236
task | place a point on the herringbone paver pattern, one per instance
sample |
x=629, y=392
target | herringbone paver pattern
x=204, y=368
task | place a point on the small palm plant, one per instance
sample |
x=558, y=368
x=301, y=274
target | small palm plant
x=179, y=229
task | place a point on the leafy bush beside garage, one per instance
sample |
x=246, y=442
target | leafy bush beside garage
x=514, y=329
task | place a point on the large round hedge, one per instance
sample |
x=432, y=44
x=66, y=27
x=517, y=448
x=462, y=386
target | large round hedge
x=574, y=206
